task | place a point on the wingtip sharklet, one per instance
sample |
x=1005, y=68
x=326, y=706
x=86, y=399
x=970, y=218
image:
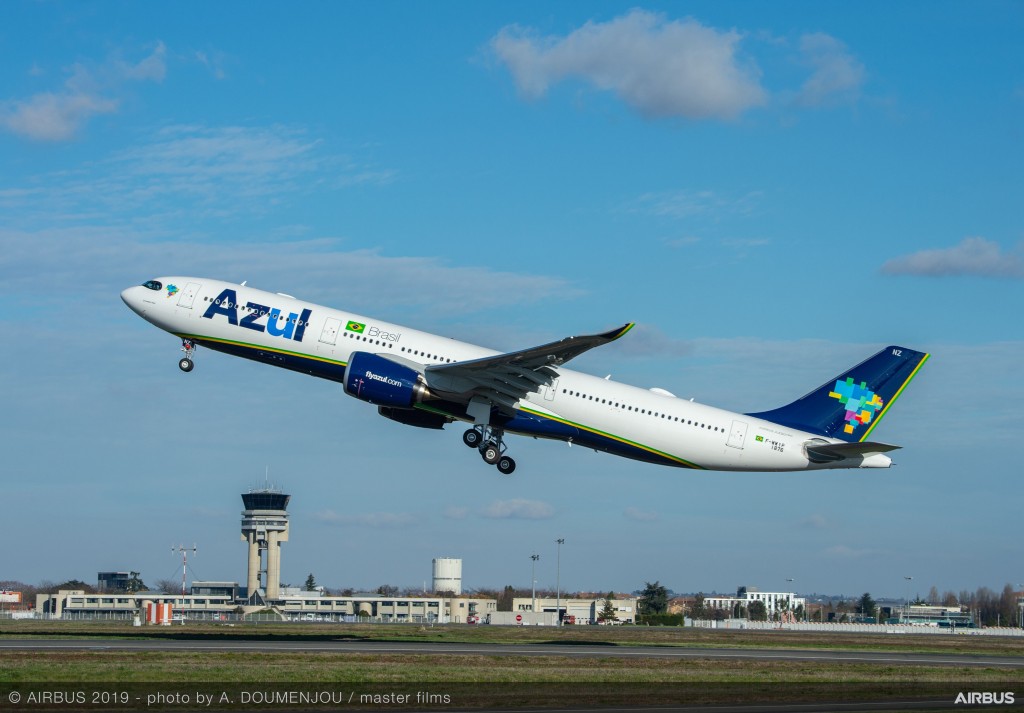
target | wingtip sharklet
x=620, y=332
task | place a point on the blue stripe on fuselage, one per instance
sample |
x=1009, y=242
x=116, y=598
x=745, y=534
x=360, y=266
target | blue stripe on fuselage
x=523, y=424
x=330, y=369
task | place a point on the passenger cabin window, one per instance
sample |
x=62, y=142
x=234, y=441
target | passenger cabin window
x=153, y=285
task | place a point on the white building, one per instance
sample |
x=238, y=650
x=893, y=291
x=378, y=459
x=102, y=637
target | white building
x=214, y=601
x=774, y=602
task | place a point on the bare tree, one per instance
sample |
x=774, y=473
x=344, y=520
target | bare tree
x=167, y=586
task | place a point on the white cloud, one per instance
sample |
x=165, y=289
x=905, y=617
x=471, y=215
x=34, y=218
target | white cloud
x=519, y=509
x=976, y=257
x=382, y=520
x=639, y=515
x=161, y=205
x=453, y=512
x=686, y=203
x=195, y=173
x=152, y=68
x=815, y=522
x=207, y=162
x=845, y=552
x=682, y=242
x=321, y=271
x=58, y=115
x=53, y=116
x=214, y=63
x=661, y=68
x=648, y=342
x=837, y=75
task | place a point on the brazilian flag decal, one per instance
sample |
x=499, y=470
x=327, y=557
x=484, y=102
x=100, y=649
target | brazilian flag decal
x=356, y=327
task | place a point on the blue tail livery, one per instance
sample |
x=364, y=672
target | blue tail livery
x=851, y=405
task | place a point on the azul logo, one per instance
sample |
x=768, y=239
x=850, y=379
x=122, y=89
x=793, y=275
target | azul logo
x=861, y=402
x=277, y=324
x=172, y=290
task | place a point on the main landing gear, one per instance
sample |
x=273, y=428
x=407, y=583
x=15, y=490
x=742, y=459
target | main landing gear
x=489, y=442
x=185, y=363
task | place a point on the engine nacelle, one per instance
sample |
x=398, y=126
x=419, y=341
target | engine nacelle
x=381, y=381
x=414, y=417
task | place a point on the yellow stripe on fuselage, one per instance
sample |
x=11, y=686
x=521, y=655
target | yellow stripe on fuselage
x=613, y=437
x=626, y=441
x=201, y=338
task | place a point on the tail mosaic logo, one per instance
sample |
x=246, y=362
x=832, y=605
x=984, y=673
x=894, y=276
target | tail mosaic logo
x=861, y=403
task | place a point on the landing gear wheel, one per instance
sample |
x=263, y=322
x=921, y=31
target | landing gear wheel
x=506, y=465
x=490, y=453
x=472, y=438
x=185, y=363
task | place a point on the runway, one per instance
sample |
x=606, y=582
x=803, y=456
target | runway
x=456, y=649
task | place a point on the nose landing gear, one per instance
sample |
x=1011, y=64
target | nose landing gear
x=185, y=363
x=489, y=441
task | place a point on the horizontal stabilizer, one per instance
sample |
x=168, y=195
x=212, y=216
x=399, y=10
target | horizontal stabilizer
x=820, y=452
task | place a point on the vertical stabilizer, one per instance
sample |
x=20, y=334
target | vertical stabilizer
x=849, y=406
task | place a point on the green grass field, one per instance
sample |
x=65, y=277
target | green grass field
x=514, y=681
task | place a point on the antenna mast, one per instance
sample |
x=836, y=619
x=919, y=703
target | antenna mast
x=184, y=561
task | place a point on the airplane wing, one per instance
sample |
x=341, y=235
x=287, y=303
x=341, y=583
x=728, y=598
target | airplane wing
x=504, y=379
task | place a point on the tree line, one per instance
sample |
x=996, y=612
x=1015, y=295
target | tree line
x=988, y=607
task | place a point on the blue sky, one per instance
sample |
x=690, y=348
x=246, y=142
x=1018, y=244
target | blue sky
x=772, y=191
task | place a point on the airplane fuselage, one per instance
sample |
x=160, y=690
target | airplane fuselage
x=579, y=408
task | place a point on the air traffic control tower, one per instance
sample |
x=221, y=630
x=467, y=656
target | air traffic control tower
x=264, y=527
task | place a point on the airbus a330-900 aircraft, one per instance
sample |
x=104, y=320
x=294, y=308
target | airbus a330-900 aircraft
x=428, y=381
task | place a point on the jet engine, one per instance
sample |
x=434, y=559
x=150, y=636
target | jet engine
x=380, y=381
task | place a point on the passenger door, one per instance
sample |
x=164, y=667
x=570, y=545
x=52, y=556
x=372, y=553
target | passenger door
x=329, y=335
x=737, y=434
x=188, y=295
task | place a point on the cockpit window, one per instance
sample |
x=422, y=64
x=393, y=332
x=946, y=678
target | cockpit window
x=153, y=285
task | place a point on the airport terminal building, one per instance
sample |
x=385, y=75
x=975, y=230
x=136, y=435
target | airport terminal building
x=223, y=601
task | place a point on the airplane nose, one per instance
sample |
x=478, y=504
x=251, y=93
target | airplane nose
x=130, y=297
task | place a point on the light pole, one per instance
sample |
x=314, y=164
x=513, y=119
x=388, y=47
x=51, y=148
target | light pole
x=558, y=582
x=791, y=580
x=534, y=557
x=1020, y=607
x=906, y=602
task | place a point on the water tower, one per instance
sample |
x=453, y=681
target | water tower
x=264, y=528
x=448, y=575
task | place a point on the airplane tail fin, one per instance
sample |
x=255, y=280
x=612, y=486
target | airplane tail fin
x=851, y=405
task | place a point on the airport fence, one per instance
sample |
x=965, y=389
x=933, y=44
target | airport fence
x=854, y=628
x=128, y=616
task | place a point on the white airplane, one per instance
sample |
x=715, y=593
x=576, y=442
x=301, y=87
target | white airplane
x=428, y=381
